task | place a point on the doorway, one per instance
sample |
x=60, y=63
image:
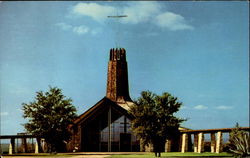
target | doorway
x=125, y=142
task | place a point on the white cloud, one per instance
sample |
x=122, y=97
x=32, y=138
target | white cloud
x=94, y=10
x=80, y=30
x=200, y=107
x=223, y=107
x=4, y=113
x=140, y=12
x=137, y=12
x=172, y=21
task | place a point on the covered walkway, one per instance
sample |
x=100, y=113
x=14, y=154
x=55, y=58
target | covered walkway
x=216, y=139
x=19, y=144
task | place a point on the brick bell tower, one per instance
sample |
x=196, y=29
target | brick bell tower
x=117, y=82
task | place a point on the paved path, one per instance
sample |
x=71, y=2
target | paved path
x=74, y=156
x=98, y=156
x=71, y=155
x=95, y=155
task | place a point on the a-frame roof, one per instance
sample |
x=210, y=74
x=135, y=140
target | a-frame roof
x=122, y=107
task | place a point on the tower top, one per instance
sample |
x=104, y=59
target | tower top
x=117, y=54
x=117, y=83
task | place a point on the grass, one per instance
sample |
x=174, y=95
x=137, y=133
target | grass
x=175, y=154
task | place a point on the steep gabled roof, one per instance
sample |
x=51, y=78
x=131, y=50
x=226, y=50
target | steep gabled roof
x=124, y=107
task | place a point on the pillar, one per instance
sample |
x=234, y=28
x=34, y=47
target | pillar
x=36, y=148
x=38, y=140
x=10, y=149
x=195, y=143
x=219, y=142
x=213, y=142
x=200, y=142
x=168, y=145
x=184, y=143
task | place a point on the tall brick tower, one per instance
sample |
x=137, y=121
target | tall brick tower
x=117, y=83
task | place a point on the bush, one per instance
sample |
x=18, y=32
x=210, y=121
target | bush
x=239, y=142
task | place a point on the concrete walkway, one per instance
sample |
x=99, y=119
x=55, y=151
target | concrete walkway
x=72, y=156
x=98, y=155
x=76, y=155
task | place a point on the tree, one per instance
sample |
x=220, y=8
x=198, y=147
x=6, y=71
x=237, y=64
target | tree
x=153, y=119
x=49, y=116
x=239, y=142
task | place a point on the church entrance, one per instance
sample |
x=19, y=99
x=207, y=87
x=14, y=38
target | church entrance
x=125, y=142
x=109, y=132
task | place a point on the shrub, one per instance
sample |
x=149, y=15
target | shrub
x=239, y=142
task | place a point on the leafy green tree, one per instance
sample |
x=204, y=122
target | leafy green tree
x=239, y=142
x=49, y=116
x=153, y=119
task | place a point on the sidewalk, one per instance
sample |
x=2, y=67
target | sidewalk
x=102, y=155
x=73, y=155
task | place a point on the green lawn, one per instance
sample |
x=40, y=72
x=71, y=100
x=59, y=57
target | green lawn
x=169, y=154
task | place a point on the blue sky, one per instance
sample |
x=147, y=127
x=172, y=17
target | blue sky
x=197, y=51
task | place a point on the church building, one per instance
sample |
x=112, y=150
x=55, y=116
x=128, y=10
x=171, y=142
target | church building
x=105, y=126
